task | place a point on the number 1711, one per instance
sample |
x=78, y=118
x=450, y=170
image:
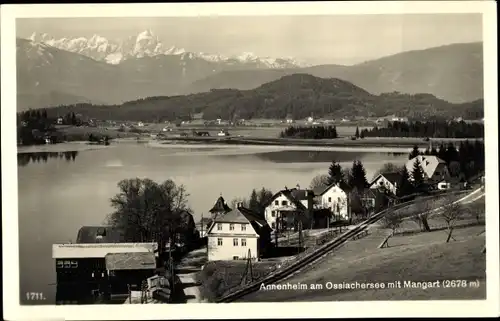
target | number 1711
x=35, y=296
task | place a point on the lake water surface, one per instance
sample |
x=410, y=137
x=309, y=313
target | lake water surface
x=60, y=192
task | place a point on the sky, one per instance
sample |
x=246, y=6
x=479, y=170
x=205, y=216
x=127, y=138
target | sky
x=338, y=39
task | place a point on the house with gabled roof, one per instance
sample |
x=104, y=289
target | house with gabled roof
x=287, y=207
x=334, y=197
x=434, y=168
x=387, y=181
x=238, y=234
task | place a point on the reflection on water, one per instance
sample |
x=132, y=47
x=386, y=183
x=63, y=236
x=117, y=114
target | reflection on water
x=24, y=159
x=301, y=156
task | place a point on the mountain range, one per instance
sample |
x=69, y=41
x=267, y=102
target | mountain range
x=297, y=95
x=96, y=70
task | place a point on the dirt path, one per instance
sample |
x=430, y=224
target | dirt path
x=187, y=270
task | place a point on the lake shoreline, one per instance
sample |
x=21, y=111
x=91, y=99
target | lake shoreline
x=286, y=142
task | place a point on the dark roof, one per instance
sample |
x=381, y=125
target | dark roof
x=220, y=206
x=393, y=177
x=244, y=215
x=130, y=261
x=99, y=234
x=321, y=190
x=300, y=194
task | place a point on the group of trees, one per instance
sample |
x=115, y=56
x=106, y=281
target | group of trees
x=310, y=132
x=256, y=201
x=32, y=126
x=466, y=161
x=436, y=129
x=35, y=125
x=147, y=211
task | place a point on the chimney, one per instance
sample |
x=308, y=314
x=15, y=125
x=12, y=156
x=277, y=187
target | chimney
x=298, y=187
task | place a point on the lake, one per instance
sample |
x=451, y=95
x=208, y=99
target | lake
x=61, y=191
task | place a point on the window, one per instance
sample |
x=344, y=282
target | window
x=273, y=213
x=235, y=242
x=74, y=264
x=235, y=257
x=329, y=200
x=273, y=225
x=231, y=227
x=243, y=227
x=59, y=264
x=219, y=241
x=276, y=202
x=243, y=242
x=67, y=264
x=284, y=203
x=219, y=226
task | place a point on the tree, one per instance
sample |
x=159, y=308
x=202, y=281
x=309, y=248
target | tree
x=405, y=187
x=321, y=180
x=451, y=212
x=455, y=168
x=423, y=212
x=234, y=202
x=253, y=203
x=418, y=176
x=264, y=196
x=146, y=211
x=391, y=220
x=388, y=168
x=358, y=178
x=335, y=174
x=357, y=132
x=414, y=152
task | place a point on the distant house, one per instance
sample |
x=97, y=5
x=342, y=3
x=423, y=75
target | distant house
x=287, y=207
x=238, y=234
x=389, y=181
x=434, y=168
x=60, y=120
x=289, y=119
x=334, y=197
x=203, y=225
x=223, y=133
x=309, y=119
x=140, y=124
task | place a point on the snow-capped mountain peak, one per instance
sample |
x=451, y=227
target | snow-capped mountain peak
x=147, y=44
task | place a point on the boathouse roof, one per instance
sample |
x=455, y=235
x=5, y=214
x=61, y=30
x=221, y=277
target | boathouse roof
x=130, y=261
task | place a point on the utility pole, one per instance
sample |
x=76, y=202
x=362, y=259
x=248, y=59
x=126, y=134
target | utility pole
x=300, y=234
x=276, y=228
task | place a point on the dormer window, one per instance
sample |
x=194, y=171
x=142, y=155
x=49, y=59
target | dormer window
x=284, y=203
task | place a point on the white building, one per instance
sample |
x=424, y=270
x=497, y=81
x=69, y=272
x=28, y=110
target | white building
x=232, y=235
x=388, y=181
x=309, y=119
x=335, y=198
x=434, y=168
x=285, y=205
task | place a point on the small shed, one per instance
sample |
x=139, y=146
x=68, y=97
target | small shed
x=130, y=268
